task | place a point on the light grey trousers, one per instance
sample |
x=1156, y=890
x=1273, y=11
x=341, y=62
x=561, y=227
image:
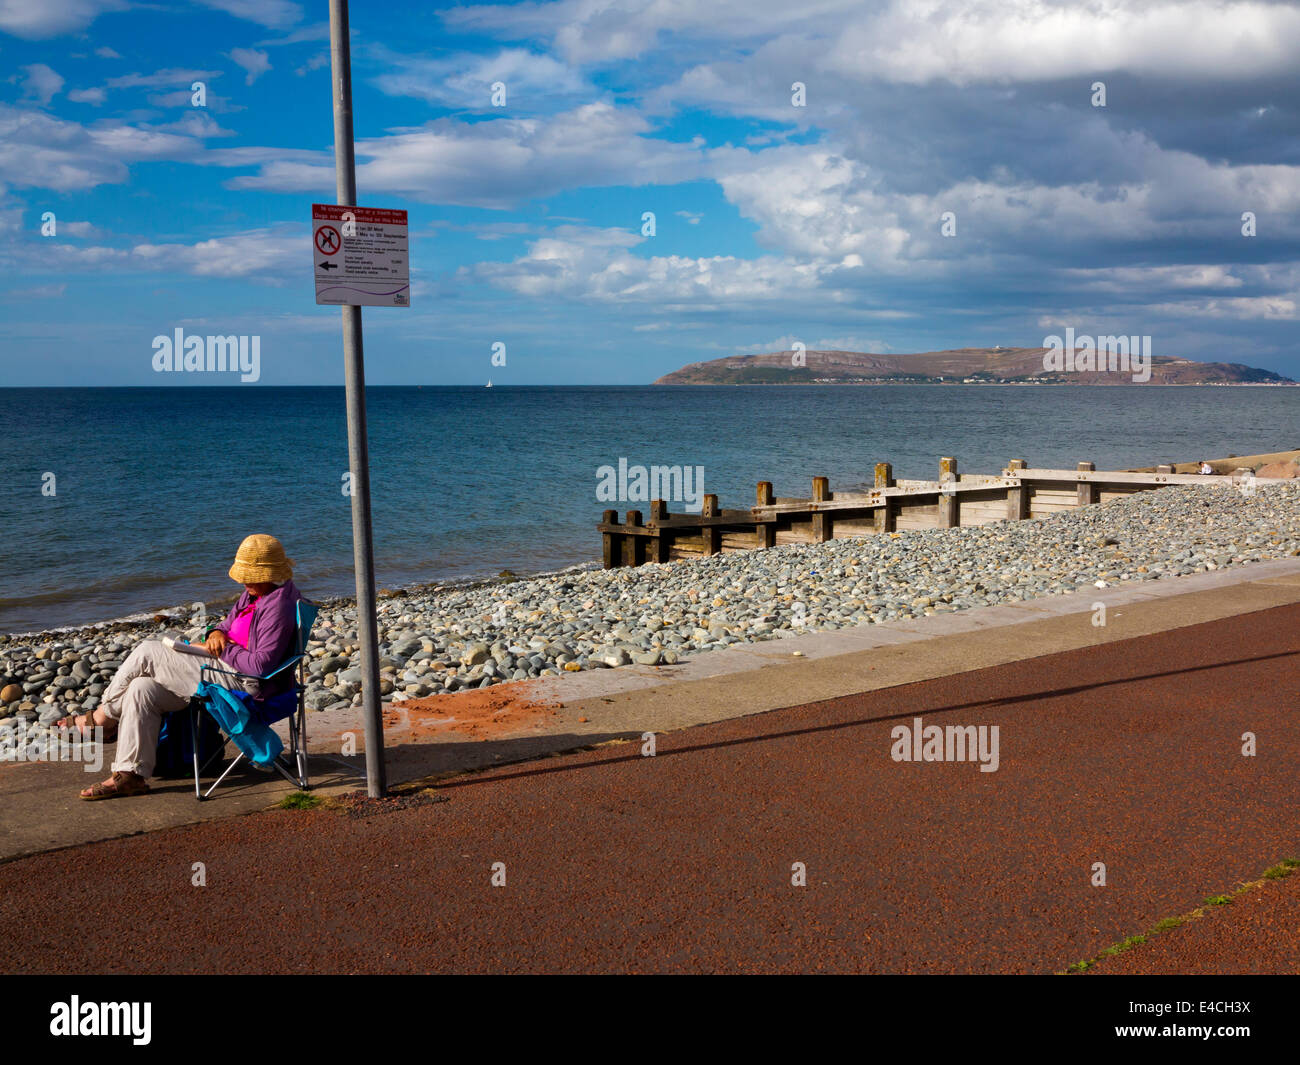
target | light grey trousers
x=154, y=680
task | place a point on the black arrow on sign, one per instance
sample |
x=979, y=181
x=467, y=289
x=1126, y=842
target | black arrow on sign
x=328, y=266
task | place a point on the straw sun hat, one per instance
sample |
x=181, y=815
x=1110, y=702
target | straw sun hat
x=261, y=558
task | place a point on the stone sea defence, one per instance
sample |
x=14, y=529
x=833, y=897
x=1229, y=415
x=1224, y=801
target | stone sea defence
x=656, y=614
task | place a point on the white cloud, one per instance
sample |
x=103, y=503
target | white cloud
x=595, y=265
x=255, y=63
x=466, y=80
x=316, y=31
x=40, y=150
x=171, y=78
x=320, y=59
x=873, y=345
x=105, y=52
x=274, y=14
x=1125, y=279
x=1270, y=308
x=36, y=292
x=917, y=41
x=274, y=255
x=36, y=19
x=598, y=31
x=817, y=202
x=41, y=83
x=197, y=123
x=494, y=163
x=1031, y=40
x=94, y=97
x=81, y=230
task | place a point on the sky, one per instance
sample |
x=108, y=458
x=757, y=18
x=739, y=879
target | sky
x=888, y=177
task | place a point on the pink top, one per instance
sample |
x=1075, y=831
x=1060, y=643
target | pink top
x=240, y=626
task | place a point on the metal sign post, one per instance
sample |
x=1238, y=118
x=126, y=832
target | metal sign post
x=363, y=552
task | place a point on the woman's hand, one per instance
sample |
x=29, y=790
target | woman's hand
x=215, y=643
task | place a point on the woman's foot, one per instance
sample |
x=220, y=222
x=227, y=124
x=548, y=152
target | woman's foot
x=85, y=724
x=119, y=785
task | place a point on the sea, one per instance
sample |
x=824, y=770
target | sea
x=125, y=501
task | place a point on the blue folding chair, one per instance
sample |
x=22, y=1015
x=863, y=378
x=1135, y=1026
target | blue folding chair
x=247, y=721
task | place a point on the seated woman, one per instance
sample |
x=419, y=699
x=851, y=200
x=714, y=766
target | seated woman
x=256, y=636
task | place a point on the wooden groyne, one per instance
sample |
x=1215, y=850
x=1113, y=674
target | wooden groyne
x=954, y=499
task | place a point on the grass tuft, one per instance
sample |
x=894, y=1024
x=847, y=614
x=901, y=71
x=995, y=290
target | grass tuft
x=299, y=800
x=1284, y=868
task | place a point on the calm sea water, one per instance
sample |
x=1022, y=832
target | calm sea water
x=155, y=487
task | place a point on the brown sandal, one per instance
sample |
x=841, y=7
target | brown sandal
x=123, y=784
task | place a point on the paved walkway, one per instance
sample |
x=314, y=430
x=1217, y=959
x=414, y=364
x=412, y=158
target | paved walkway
x=448, y=735
x=1128, y=754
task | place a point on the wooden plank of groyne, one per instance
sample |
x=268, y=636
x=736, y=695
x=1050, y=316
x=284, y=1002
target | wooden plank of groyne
x=984, y=508
x=918, y=516
x=1118, y=477
x=699, y=521
x=736, y=540
x=687, y=547
x=876, y=498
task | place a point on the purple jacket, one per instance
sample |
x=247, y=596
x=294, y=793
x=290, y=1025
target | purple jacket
x=270, y=637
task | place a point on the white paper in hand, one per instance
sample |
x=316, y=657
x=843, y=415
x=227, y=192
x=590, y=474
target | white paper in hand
x=186, y=648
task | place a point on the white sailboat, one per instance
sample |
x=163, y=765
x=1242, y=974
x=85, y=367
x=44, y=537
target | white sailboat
x=489, y=384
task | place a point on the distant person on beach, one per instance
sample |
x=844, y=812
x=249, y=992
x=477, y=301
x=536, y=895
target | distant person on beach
x=1206, y=467
x=256, y=636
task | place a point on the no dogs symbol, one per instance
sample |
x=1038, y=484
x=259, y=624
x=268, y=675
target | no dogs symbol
x=328, y=240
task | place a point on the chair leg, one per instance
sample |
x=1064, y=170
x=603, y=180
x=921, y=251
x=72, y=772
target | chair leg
x=279, y=768
x=195, y=719
x=302, y=744
x=237, y=760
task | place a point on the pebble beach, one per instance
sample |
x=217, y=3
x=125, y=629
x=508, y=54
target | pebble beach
x=449, y=639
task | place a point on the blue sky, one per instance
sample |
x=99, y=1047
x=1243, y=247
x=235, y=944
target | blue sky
x=774, y=222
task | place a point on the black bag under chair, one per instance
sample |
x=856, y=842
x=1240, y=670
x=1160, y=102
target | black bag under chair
x=175, y=756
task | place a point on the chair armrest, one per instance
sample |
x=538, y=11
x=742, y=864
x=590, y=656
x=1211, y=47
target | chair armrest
x=205, y=670
x=283, y=666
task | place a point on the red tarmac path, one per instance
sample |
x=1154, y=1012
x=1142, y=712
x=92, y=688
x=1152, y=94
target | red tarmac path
x=1127, y=754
